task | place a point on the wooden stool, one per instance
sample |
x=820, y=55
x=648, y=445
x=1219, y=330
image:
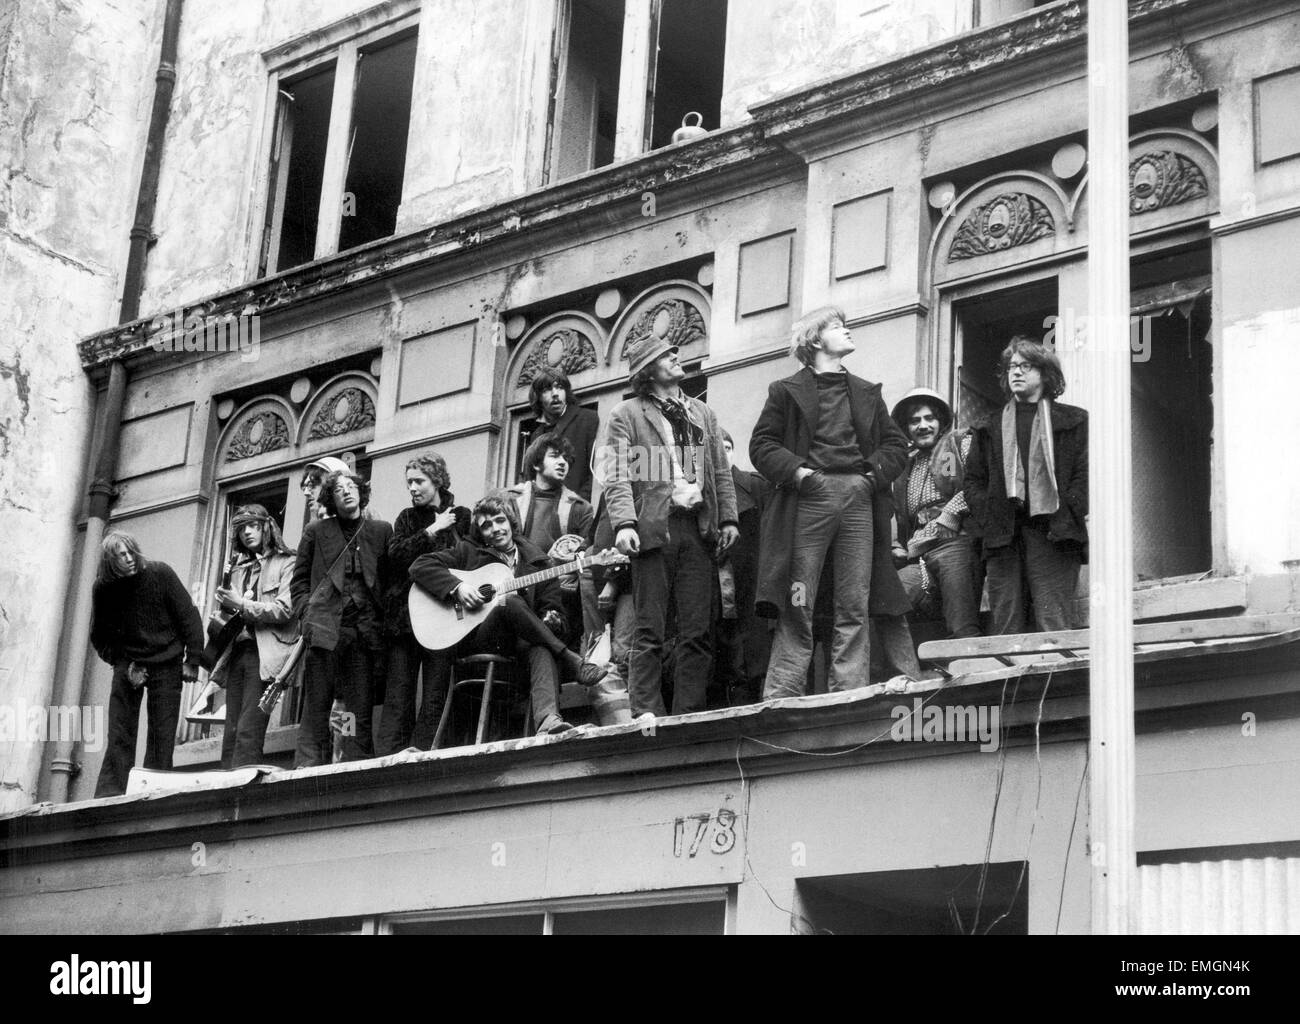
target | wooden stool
x=488, y=665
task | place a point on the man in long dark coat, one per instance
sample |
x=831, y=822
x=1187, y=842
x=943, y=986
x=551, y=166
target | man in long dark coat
x=826, y=442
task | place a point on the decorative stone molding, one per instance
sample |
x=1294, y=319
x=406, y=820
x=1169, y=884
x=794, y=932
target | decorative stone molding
x=676, y=311
x=565, y=347
x=1162, y=177
x=1004, y=222
x=346, y=411
x=262, y=426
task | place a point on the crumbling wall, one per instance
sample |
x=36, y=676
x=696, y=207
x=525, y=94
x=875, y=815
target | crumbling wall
x=75, y=84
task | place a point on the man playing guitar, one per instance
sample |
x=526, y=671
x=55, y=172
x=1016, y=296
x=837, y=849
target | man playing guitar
x=527, y=625
x=259, y=594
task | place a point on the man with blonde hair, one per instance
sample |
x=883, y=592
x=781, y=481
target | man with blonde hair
x=827, y=444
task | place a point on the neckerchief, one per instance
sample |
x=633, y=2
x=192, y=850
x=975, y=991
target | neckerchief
x=1039, y=493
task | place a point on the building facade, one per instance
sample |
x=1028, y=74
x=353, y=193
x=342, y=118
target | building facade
x=374, y=224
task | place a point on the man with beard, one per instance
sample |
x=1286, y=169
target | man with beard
x=939, y=563
x=551, y=399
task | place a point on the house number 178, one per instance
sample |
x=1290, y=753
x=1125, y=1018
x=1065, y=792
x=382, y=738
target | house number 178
x=688, y=838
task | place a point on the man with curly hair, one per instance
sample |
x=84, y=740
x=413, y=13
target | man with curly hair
x=1027, y=487
x=432, y=523
x=339, y=583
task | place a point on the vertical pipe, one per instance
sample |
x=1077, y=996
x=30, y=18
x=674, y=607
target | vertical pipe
x=1110, y=491
x=75, y=634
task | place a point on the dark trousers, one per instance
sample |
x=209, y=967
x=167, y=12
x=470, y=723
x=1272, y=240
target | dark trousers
x=164, y=711
x=245, y=730
x=834, y=520
x=954, y=571
x=347, y=674
x=513, y=629
x=682, y=572
x=407, y=662
x=1032, y=563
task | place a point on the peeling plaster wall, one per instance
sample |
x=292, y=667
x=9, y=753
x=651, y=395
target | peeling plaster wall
x=75, y=85
x=777, y=46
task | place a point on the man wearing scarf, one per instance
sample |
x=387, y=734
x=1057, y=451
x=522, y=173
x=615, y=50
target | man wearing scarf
x=1027, y=487
x=672, y=505
x=259, y=592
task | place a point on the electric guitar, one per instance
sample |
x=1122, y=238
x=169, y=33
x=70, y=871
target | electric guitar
x=440, y=624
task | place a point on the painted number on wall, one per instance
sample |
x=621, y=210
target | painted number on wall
x=689, y=833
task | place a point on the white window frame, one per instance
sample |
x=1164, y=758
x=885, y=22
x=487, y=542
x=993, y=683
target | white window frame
x=638, y=68
x=339, y=44
x=549, y=908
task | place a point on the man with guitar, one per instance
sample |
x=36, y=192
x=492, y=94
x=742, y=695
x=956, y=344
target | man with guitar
x=526, y=625
x=339, y=582
x=255, y=593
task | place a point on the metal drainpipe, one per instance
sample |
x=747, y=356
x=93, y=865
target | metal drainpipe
x=71, y=692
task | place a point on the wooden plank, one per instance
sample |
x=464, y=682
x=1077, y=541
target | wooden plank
x=1078, y=639
x=1191, y=598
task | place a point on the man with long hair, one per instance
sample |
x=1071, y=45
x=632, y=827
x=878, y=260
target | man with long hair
x=144, y=625
x=551, y=398
x=527, y=625
x=431, y=523
x=339, y=583
x=672, y=505
x=826, y=443
x=259, y=593
x=1027, y=487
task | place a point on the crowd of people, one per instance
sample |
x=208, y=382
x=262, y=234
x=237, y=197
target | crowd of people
x=858, y=519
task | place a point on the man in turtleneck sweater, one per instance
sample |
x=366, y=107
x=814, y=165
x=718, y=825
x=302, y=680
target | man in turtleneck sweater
x=826, y=442
x=144, y=625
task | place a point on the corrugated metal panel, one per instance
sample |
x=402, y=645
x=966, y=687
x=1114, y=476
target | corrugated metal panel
x=1223, y=897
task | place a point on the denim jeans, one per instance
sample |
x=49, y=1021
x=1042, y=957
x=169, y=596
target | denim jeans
x=245, y=729
x=954, y=570
x=682, y=572
x=834, y=520
x=164, y=708
x=1050, y=574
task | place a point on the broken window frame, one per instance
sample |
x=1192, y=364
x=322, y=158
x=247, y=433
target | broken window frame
x=638, y=71
x=340, y=44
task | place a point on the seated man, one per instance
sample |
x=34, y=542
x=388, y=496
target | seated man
x=527, y=624
x=936, y=555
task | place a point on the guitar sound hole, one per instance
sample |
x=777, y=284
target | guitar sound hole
x=487, y=591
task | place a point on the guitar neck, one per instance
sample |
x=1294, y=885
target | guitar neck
x=523, y=582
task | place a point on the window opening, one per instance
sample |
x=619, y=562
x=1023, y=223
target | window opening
x=381, y=119
x=587, y=94
x=298, y=168
x=688, y=72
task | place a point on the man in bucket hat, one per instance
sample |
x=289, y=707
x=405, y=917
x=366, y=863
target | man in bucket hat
x=672, y=506
x=939, y=565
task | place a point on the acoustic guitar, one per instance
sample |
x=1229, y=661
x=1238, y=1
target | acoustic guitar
x=440, y=624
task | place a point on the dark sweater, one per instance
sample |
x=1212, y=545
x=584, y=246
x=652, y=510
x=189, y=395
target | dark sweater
x=148, y=617
x=835, y=444
x=409, y=543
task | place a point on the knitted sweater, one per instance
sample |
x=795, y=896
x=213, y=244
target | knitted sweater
x=148, y=617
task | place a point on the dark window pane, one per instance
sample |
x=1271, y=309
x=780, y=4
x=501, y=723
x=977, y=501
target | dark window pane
x=688, y=76
x=676, y=919
x=381, y=118
x=308, y=130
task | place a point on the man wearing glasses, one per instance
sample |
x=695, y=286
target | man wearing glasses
x=1027, y=487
